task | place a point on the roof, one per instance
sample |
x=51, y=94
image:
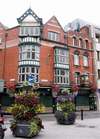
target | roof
x=29, y=12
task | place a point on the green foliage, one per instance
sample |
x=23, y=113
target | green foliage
x=34, y=129
x=25, y=109
x=67, y=106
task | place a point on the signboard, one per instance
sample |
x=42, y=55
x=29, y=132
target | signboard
x=82, y=108
x=1, y=85
x=31, y=79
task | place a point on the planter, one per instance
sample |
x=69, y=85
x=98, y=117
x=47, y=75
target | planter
x=25, y=122
x=64, y=118
x=23, y=130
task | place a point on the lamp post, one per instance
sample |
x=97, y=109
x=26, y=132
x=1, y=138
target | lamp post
x=4, y=58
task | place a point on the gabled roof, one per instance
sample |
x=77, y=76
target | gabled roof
x=29, y=12
x=53, y=18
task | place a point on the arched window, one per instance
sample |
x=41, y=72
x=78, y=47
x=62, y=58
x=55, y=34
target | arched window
x=86, y=46
x=75, y=43
x=76, y=58
x=85, y=60
x=80, y=43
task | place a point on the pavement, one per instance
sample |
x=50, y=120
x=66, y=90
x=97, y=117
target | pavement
x=88, y=128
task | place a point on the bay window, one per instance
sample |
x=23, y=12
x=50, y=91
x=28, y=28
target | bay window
x=61, y=56
x=61, y=76
x=24, y=71
x=30, y=52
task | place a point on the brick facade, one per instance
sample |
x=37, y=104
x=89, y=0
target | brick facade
x=9, y=62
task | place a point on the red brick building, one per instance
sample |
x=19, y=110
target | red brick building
x=46, y=51
x=81, y=62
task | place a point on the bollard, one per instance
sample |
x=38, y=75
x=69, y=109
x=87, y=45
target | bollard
x=81, y=114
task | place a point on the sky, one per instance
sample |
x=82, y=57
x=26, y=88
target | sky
x=65, y=10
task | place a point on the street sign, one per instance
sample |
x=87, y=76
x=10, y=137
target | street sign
x=1, y=85
x=31, y=79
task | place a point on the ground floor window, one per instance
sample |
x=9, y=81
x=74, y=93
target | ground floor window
x=25, y=71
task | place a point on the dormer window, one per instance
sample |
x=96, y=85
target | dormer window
x=54, y=36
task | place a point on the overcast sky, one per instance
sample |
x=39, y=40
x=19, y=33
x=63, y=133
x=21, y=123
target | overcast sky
x=64, y=10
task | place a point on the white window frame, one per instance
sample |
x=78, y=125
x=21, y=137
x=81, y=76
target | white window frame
x=30, y=30
x=76, y=59
x=85, y=61
x=54, y=36
x=75, y=42
x=23, y=52
x=25, y=73
x=61, y=78
x=61, y=56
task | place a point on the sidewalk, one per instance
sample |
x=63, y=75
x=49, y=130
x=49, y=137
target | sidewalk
x=82, y=129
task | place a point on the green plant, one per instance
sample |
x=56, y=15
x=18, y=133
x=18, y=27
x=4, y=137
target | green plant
x=25, y=109
x=65, y=113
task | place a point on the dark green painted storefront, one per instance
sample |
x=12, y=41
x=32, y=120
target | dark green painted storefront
x=86, y=99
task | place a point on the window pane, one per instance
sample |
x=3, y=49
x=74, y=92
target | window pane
x=23, y=77
x=33, y=70
x=33, y=55
x=61, y=76
x=23, y=70
x=53, y=36
x=27, y=69
x=85, y=60
x=76, y=59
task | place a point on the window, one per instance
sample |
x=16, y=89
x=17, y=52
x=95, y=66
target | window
x=77, y=77
x=98, y=55
x=80, y=43
x=97, y=38
x=75, y=43
x=76, y=59
x=85, y=61
x=98, y=73
x=61, y=56
x=32, y=31
x=25, y=71
x=61, y=76
x=53, y=36
x=29, y=52
x=86, y=46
